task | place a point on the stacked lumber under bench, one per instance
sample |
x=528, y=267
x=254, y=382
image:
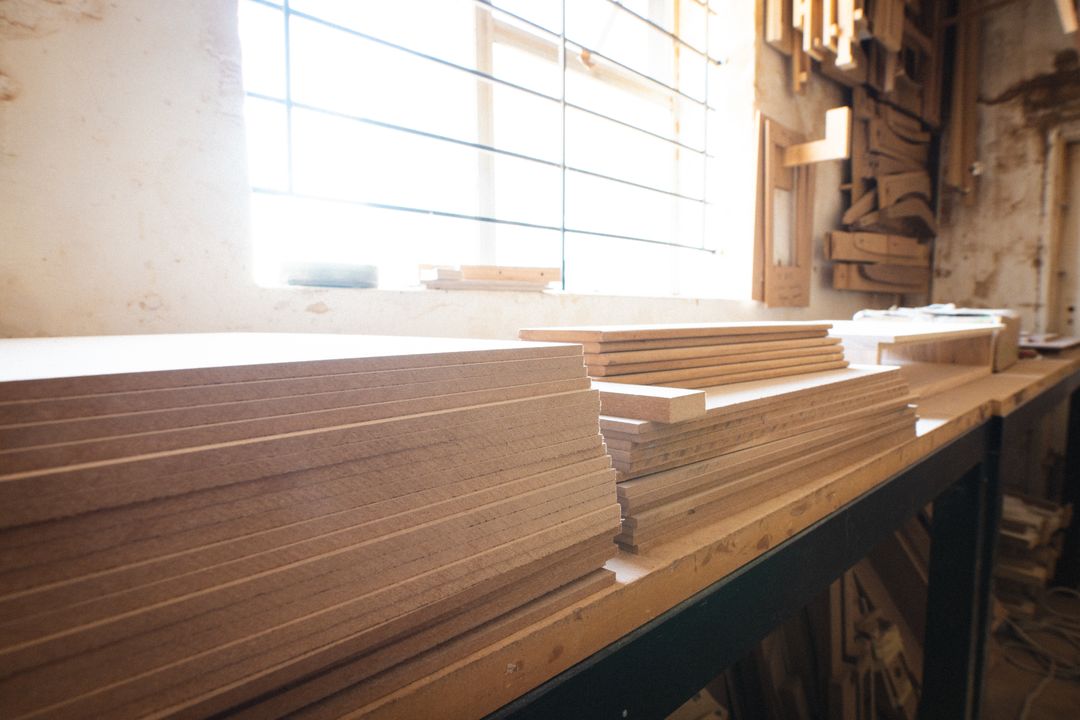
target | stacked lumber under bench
x=264, y=524
x=696, y=355
x=1031, y=536
x=755, y=440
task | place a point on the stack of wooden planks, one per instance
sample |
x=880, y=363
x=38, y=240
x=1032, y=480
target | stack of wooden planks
x=697, y=355
x=266, y=524
x=755, y=439
x=1031, y=539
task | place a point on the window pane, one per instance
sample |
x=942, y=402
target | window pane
x=607, y=207
x=447, y=30
x=348, y=160
x=348, y=74
x=262, y=47
x=599, y=145
x=267, y=130
x=546, y=13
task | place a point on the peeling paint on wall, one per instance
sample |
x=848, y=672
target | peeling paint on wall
x=1047, y=99
x=989, y=253
x=8, y=88
x=37, y=18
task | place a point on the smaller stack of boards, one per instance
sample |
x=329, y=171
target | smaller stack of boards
x=754, y=441
x=260, y=525
x=697, y=355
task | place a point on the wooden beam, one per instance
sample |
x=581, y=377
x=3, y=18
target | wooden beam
x=647, y=402
x=1067, y=12
x=835, y=146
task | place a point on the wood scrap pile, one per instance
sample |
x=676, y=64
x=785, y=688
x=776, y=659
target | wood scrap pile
x=871, y=660
x=892, y=46
x=848, y=655
x=890, y=52
x=696, y=355
x=1031, y=538
x=266, y=524
x=891, y=204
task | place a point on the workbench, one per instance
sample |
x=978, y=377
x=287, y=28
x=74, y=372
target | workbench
x=680, y=614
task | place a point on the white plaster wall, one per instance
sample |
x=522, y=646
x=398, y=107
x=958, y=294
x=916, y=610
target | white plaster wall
x=123, y=193
x=989, y=254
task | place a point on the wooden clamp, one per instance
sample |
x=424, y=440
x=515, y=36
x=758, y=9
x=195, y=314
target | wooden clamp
x=835, y=146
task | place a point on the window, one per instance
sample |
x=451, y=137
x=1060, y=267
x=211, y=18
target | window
x=580, y=134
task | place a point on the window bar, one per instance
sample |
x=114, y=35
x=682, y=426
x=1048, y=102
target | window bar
x=491, y=78
x=562, y=101
x=288, y=97
x=474, y=218
x=705, y=141
x=644, y=76
x=660, y=28
x=475, y=145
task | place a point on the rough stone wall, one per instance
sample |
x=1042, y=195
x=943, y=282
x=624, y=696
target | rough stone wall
x=991, y=253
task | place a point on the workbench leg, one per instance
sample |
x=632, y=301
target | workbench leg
x=956, y=622
x=1068, y=568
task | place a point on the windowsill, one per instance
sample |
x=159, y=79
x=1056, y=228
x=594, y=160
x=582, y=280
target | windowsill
x=418, y=291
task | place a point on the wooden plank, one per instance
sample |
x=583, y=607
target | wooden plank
x=632, y=465
x=848, y=276
x=728, y=340
x=93, y=486
x=885, y=141
x=373, y=536
x=66, y=408
x=909, y=216
x=666, y=376
x=515, y=274
x=778, y=25
x=719, y=362
x=836, y=144
x=893, y=188
x=659, y=524
x=619, y=333
x=93, y=558
x=887, y=23
x=486, y=285
x=93, y=428
x=650, y=584
x=738, y=400
x=727, y=350
x=61, y=367
x=83, y=672
x=352, y=684
x=860, y=208
x=21, y=464
x=666, y=405
x=769, y=418
x=1067, y=12
x=876, y=248
x=757, y=375
x=786, y=284
x=640, y=493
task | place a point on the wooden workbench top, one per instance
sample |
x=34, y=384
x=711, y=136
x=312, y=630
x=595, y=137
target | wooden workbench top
x=652, y=583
